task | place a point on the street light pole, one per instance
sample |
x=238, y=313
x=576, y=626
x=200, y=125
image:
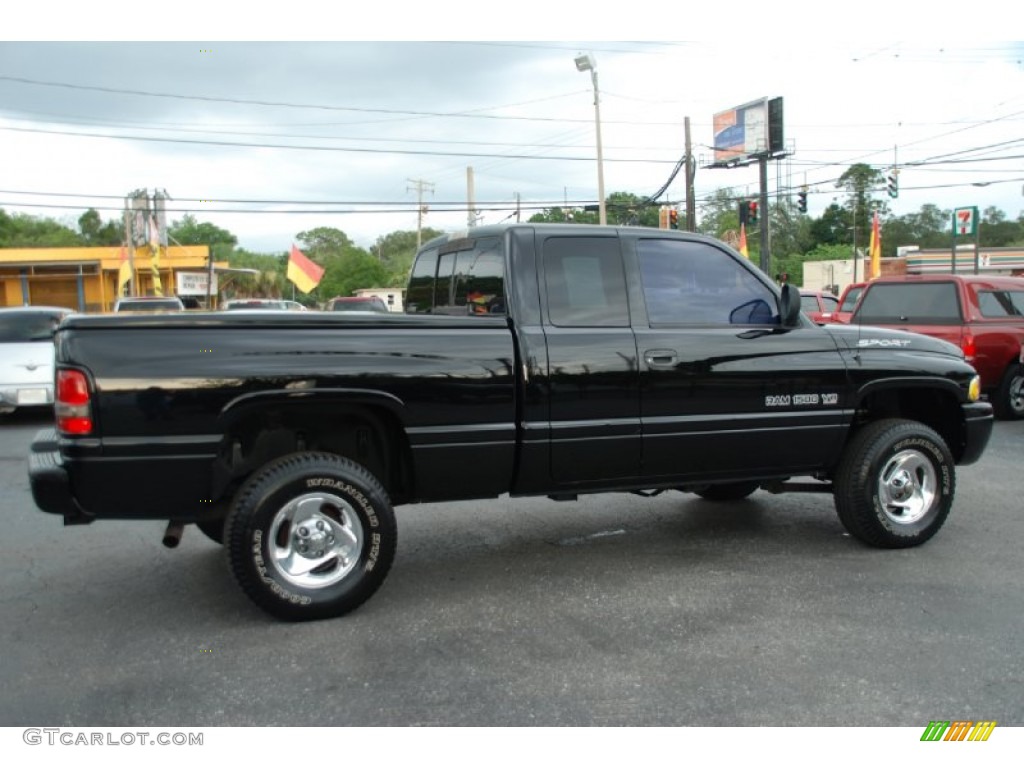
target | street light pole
x=584, y=63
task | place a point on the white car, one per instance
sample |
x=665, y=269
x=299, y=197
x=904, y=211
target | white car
x=27, y=355
x=149, y=304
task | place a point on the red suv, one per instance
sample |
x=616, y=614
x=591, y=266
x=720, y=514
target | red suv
x=983, y=315
x=847, y=301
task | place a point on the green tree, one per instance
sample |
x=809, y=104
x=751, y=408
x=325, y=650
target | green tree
x=322, y=243
x=396, y=251
x=189, y=231
x=860, y=182
x=97, y=233
x=24, y=231
x=719, y=215
x=998, y=231
x=353, y=270
x=621, y=209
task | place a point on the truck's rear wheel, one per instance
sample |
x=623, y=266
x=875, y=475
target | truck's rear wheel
x=311, y=536
x=895, y=484
x=1009, y=398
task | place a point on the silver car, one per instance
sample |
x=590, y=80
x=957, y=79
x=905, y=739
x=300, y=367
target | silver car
x=27, y=355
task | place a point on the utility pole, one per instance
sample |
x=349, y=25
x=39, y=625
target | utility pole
x=765, y=215
x=691, y=203
x=420, y=186
x=519, y=205
x=131, y=252
x=470, y=198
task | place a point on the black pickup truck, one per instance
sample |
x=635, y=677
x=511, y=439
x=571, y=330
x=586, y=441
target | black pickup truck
x=531, y=360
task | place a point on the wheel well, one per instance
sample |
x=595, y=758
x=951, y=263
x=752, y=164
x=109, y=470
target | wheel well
x=370, y=436
x=936, y=408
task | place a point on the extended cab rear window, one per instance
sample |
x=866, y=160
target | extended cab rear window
x=921, y=303
x=460, y=277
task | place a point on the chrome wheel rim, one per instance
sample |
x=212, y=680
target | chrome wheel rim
x=315, y=540
x=1017, y=394
x=907, y=487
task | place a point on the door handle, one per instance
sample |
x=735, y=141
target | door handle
x=660, y=358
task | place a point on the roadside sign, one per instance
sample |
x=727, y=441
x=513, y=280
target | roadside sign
x=194, y=283
x=965, y=221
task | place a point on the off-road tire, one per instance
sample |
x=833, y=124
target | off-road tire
x=895, y=484
x=310, y=536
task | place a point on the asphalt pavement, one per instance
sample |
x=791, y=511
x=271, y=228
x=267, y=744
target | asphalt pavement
x=612, y=610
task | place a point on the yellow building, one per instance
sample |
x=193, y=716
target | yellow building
x=86, y=279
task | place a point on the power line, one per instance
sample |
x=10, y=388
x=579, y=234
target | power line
x=319, y=148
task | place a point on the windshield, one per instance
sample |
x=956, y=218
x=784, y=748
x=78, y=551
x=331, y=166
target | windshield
x=850, y=299
x=27, y=326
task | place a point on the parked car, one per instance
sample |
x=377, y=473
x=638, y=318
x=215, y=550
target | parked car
x=255, y=304
x=847, y=301
x=818, y=305
x=981, y=314
x=27, y=355
x=149, y=304
x=356, y=304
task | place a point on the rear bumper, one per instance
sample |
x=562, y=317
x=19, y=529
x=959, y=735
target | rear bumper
x=978, y=421
x=51, y=487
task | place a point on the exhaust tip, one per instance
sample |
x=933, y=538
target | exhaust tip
x=172, y=536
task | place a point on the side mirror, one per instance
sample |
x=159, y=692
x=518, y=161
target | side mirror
x=789, y=307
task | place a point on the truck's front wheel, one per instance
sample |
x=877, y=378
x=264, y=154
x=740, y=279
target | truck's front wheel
x=895, y=483
x=310, y=536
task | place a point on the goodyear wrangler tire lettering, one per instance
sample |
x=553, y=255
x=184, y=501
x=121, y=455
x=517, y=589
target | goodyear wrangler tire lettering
x=895, y=484
x=310, y=536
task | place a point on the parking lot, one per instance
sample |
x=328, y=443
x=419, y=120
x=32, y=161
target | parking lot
x=612, y=610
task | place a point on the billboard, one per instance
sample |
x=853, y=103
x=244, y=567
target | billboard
x=748, y=131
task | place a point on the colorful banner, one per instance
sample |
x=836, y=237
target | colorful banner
x=305, y=273
x=875, y=248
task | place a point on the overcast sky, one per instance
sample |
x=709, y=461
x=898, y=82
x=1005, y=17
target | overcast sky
x=349, y=130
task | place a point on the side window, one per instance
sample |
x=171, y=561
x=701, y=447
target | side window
x=687, y=283
x=465, y=277
x=585, y=283
x=471, y=278
x=1001, y=303
x=419, y=297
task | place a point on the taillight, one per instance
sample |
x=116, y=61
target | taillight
x=71, y=406
x=969, y=347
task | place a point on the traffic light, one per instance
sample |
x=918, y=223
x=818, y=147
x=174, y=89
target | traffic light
x=801, y=201
x=673, y=219
x=743, y=210
x=752, y=212
x=894, y=184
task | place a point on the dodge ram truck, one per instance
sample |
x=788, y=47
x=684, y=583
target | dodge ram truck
x=553, y=360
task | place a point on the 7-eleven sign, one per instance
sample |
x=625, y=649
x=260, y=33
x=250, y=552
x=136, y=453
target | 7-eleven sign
x=965, y=221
